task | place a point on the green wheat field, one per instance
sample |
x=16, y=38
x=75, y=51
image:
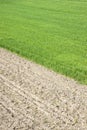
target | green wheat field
x=52, y=33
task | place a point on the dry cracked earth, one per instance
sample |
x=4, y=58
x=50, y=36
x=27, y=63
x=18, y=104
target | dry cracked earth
x=35, y=98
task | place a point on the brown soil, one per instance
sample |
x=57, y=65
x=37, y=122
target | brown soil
x=35, y=98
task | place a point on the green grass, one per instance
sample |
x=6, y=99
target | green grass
x=50, y=32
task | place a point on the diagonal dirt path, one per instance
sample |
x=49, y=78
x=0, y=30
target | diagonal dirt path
x=34, y=98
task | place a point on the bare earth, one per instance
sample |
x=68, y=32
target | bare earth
x=35, y=98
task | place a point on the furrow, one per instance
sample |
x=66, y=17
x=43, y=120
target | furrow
x=31, y=87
